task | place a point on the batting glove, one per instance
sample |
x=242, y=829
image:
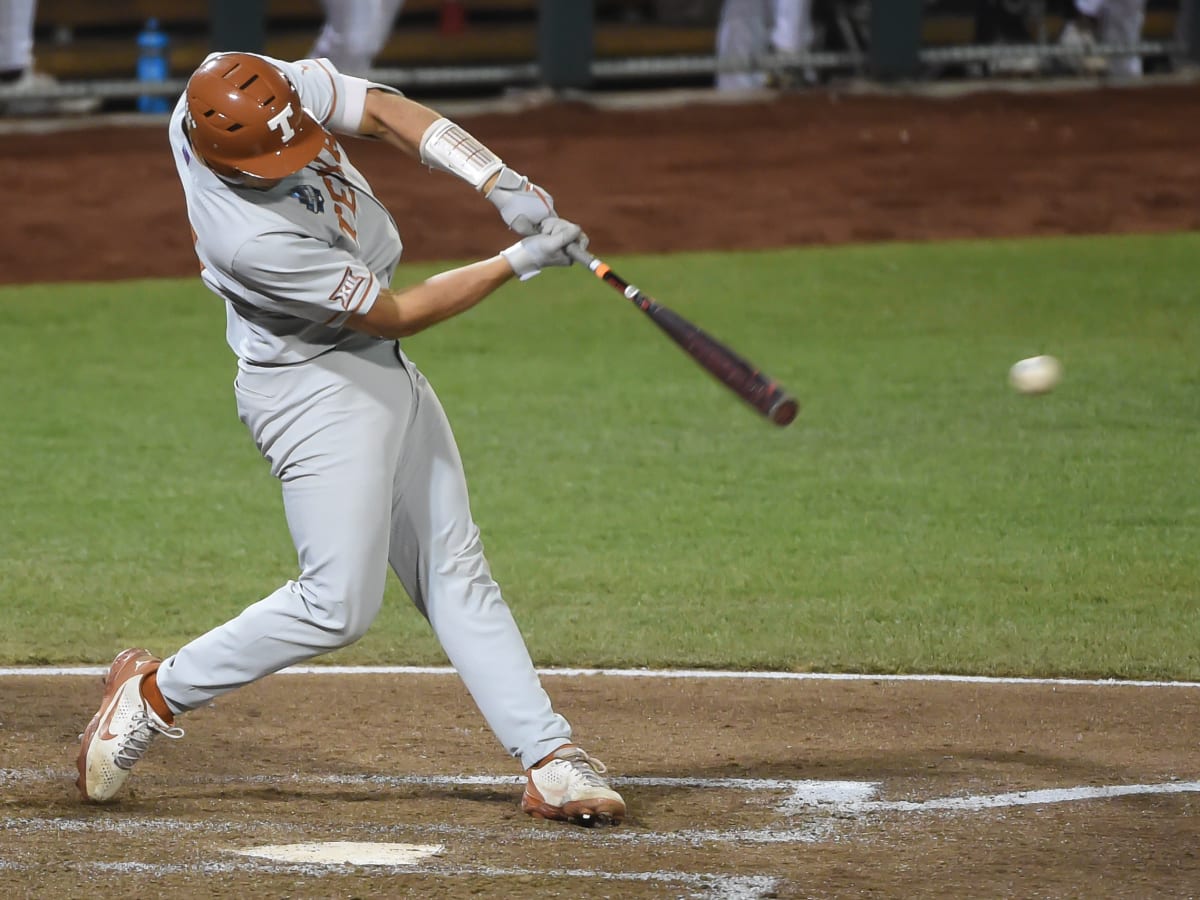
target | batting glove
x=539, y=251
x=522, y=204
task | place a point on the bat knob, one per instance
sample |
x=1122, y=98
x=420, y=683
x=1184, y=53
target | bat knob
x=784, y=412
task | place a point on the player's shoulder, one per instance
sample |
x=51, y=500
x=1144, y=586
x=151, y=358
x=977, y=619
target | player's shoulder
x=268, y=251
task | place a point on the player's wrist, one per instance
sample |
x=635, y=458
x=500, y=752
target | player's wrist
x=521, y=261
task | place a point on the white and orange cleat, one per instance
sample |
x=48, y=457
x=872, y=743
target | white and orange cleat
x=120, y=732
x=568, y=786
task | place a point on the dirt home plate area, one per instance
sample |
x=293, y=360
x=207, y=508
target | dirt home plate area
x=386, y=785
x=737, y=788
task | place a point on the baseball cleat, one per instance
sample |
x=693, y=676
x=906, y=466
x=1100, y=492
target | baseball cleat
x=122, y=729
x=567, y=786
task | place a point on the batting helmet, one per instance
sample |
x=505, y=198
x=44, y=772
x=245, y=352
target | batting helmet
x=244, y=116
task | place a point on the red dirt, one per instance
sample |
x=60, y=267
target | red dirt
x=805, y=169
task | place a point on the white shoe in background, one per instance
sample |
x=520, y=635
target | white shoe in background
x=32, y=82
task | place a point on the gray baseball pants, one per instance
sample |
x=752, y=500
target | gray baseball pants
x=371, y=476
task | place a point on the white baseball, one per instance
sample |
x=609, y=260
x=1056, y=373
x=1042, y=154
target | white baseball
x=1036, y=375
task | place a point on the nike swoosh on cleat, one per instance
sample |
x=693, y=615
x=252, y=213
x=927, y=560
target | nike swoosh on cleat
x=105, y=734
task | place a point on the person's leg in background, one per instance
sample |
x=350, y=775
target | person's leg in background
x=354, y=32
x=1121, y=23
x=792, y=31
x=742, y=33
x=16, y=39
x=17, y=19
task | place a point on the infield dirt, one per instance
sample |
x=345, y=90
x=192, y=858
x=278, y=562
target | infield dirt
x=302, y=758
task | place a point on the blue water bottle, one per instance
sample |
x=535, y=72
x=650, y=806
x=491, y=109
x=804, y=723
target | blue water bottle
x=152, y=65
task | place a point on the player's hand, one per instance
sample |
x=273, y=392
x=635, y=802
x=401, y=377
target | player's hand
x=547, y=248
x=522, y=204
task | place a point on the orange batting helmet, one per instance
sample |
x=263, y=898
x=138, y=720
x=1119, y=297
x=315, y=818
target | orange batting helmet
x=244, y=117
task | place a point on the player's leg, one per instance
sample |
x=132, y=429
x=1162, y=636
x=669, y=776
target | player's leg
x=438, y=555
x=331, y=431
x=742, y=33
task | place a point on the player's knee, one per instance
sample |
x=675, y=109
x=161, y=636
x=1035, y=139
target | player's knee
x=341, y=616
x=353, y=628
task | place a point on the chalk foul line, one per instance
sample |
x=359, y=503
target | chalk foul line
x=693, y=674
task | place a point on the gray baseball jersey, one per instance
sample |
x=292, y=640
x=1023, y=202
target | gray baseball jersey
x=293, y=262
x=370, y=470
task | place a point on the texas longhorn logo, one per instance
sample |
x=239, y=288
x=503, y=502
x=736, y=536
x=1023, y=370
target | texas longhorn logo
x=279, y=122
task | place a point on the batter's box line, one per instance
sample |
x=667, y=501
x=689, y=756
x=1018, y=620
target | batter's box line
x=804, y=796
x=1041, y=797
x=702, y=885
x=801, y=794
x=838, y=798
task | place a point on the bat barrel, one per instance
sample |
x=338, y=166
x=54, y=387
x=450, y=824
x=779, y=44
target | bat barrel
x=744, y=379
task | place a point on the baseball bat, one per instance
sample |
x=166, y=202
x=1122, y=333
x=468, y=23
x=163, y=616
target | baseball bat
x=746, y=380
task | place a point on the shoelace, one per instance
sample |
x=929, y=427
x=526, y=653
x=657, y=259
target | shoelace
x=138, y=741
x=586, y=767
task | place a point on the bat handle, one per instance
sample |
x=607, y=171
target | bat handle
x=580, y=255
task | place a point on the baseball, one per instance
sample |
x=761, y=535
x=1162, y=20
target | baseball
x=1036, y=375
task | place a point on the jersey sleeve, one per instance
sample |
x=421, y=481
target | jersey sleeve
x=305, y=277
x=335, y=100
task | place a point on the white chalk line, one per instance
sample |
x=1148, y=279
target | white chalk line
x=714, y=674
x=810, y=833
x=801, y=793
x=831, y=801
x=709, y=886
x=804, y=796
x=1044, y=797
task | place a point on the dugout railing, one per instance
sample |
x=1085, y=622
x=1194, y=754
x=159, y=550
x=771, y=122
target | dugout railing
x=595, y=44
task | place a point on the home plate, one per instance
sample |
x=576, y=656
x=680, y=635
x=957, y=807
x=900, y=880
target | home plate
x=346, y=853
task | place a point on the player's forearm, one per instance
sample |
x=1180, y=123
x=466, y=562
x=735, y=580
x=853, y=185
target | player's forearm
x=424, y=133
x=398, y=314
x=397, y=120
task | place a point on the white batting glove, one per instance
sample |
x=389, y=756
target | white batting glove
x=539, y=251
x=522, y=204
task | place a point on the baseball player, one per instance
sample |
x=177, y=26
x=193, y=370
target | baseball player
x=354, y=32
x=291, y=237
x=751, y=28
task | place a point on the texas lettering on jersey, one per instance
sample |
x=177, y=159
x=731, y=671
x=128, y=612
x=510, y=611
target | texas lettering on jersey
x=344, y=197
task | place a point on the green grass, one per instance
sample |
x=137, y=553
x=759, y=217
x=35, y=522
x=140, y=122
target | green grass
x=918, y=516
